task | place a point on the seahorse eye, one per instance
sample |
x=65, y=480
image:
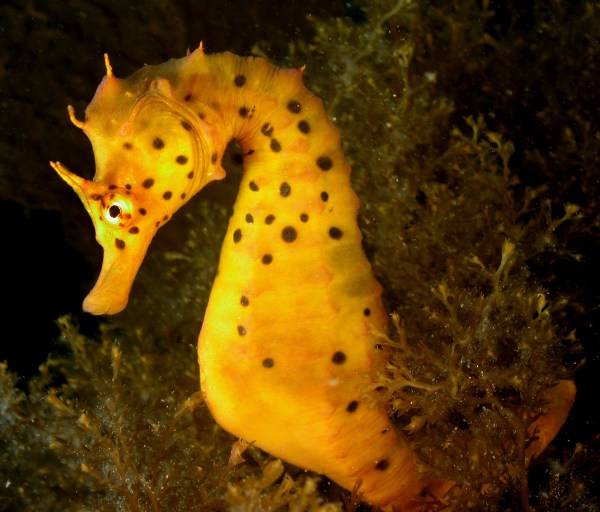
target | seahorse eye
x=114, y=211
x=118, y=211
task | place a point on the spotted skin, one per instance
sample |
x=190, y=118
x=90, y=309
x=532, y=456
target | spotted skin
x=287, y=339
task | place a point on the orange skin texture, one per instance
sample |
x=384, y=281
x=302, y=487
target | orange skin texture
x=287, y=335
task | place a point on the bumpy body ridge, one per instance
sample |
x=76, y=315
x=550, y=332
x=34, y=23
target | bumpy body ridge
x=287, y=339
x=288, y=321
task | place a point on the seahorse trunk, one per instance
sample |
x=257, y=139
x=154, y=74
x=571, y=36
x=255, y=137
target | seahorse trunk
x=286, y=339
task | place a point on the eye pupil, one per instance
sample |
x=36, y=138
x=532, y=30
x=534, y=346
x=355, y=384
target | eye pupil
x=114, y=211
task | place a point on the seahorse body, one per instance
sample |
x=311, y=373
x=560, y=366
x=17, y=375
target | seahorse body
x=286, y=340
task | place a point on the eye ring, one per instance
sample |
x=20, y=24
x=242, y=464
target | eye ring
x=118, y=211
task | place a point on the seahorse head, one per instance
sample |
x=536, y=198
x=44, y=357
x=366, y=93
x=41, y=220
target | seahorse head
x=151, y=156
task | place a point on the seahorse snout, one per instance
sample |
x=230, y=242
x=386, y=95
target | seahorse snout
x=125, y=220
x=111, y=291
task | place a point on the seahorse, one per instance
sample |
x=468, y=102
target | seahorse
x=287, y=338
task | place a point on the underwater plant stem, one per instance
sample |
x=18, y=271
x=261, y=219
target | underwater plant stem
x=519, y=431
x=122, y=460
x=402, y=4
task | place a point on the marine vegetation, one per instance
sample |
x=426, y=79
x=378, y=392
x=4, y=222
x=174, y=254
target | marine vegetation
x=478, y=205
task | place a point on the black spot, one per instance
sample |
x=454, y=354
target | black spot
x=294, y=107
x=127, y=145
x=237, y=235
x=213, y=158
x=188, y=97
x=142, y=211
x=190, y=175
x=304, y=217
x=267, y=259
x=168, y=195
x=269, y=219
x=382, y=464
x=249, y=218
x=112, y=187
x=289, y=234
x=366, y=311
x=275, y=146
x=268, y=362
x=253, y=186
x=338, y=357
x=285, y=189
x=182, y=195
x=201, y=115
x=324, y=196
x=181, y=159
x=148, y=182
x=335, y=233
x=186, y=126
x=165, y=218
x=243, y=111
x=134, y=230
x=385, y=430
x=239, y=80
x=128, y=186
x=267, y=129
x=325, y=163
x=303, y=126
x=244, y=301
x=158, y=143
x=119, y=243
x=241, y=330
x=352, y=406
x=114, y=211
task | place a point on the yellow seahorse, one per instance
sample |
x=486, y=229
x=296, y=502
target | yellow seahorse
x=286, y=340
